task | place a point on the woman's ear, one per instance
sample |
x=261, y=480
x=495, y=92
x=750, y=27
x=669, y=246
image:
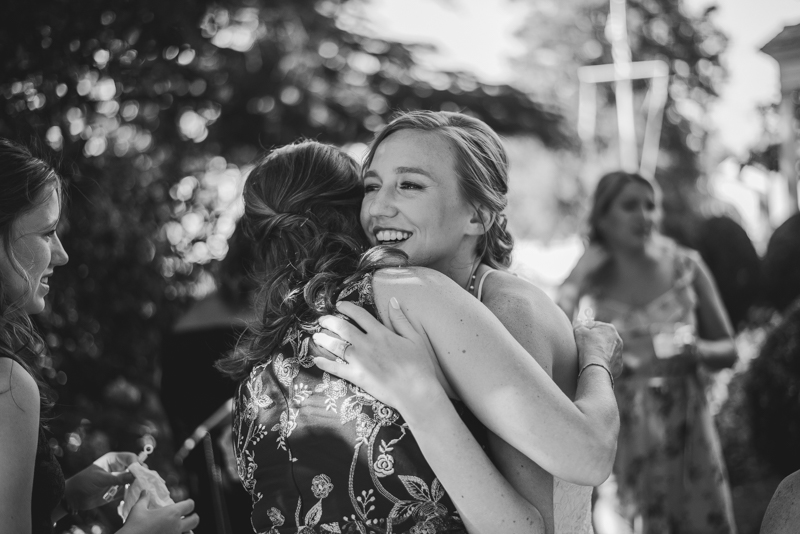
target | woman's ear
x=481, y=220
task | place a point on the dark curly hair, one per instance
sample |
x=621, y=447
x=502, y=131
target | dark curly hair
x=302, y=205
x=481, y=165
x=24, y=180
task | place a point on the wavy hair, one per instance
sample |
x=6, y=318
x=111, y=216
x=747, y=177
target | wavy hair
x=481, y=165
x=24, y=181
x=608, y=188
x=302, y=205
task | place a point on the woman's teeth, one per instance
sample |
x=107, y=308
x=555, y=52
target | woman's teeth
x=389, y=236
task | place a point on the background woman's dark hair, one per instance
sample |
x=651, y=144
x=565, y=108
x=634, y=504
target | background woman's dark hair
x=302, y=205
x=481, y=165
x=24, y=180
x=608, y=188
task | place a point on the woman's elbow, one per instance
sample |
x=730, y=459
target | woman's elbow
x=601, y=454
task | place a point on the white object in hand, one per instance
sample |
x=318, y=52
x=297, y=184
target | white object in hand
x=146, y=479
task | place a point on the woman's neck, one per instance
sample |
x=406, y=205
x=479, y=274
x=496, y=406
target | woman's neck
x=460, y=270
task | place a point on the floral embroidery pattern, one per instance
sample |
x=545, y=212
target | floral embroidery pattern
x=333, y=390
x=321, y=486
x=385, y=488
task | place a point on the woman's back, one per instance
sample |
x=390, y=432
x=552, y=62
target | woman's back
x=320, y=455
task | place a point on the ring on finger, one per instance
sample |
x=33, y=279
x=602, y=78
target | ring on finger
x=345, y=345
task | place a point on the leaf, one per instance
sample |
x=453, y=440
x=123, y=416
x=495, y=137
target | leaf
x=416, y=487
x=314, y=515
x=437, y=491
x=402, y=511
x=350, y=409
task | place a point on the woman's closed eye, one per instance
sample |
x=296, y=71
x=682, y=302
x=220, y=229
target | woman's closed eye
x=371, y=188
x=411, y=186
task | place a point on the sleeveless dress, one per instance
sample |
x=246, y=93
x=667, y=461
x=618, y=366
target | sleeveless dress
x=319, y=455
x=48, y=485
x=572, y=504
x=669, y=470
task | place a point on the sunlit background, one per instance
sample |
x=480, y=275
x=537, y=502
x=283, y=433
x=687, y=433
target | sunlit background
x=155, y=111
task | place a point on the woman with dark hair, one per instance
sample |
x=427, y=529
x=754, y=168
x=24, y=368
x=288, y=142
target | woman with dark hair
x=319, y=454
x=33, y=492
x=669, y=469
x=436, y=185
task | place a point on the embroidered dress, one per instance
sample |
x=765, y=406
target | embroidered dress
x=669, y=470
x=319, y=455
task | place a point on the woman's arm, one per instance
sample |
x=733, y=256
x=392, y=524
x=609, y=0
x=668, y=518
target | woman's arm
x=503, y=385
x=593, y=258
x=19, y=433
x=486, y=501
x=505, y=388
x=715, y=346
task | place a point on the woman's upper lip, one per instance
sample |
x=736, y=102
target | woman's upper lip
x=377, y=229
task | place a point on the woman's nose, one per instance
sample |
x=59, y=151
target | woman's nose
x=383, y=204
x=59, y=255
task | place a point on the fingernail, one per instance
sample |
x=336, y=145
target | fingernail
x=394, y=303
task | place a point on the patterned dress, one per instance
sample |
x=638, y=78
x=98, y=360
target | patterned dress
x=669, y=470
x=319, y=455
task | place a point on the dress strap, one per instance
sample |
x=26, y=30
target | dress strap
x=486, y=273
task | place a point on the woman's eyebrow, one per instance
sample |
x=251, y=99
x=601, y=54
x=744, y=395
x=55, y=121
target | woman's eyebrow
x=412, y=170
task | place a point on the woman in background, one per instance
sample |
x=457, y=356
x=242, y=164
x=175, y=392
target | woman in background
x=660, y=296
x=33, y=492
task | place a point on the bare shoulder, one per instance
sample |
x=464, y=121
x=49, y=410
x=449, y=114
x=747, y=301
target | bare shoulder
x=509, y=295
x=537, y=323
x=414, y=280
x=19, y=393
x=783, y=512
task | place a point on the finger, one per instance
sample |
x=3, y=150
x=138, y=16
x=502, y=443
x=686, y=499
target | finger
x=341, y=327
x=184, y=507
x=339, y=369
x=399, y=321
x=335, y=346
x=320, y=352
x=365, y=320
x=143, y=500
x=189, y=522
x=126, y=477
x=124, y=460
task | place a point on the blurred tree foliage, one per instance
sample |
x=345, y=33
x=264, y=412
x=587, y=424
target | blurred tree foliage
x=773, y=394
x=155, y=109
x=562, y=35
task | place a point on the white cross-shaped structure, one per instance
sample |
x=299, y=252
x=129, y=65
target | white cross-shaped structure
x=622, y=72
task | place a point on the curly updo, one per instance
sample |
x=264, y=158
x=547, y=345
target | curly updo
x=302, y=205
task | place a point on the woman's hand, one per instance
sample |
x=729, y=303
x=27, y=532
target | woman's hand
x=396, y=368
x=600, y=343
x=173, y=519
x=87, y=489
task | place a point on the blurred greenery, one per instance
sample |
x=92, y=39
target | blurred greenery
x=155, y=109
x=562, y=35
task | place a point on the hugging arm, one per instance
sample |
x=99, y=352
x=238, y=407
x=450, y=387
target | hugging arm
x=499, y=381
x=486, y=501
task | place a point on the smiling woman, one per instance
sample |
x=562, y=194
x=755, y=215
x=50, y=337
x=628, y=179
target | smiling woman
x=31, y=252
x=33, y=491
x=419, y=209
